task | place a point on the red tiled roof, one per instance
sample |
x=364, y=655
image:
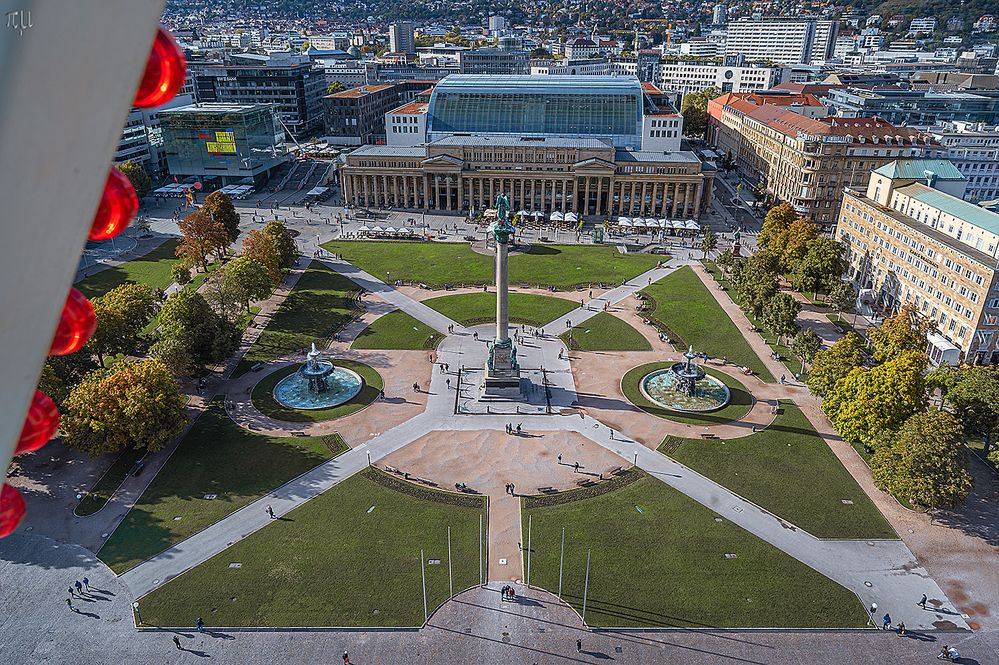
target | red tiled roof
x=411, y=108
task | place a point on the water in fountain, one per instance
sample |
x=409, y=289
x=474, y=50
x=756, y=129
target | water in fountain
x=685, y=386
x=317, y=385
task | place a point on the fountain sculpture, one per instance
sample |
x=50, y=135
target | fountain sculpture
x=685, y=386
x=317, y=384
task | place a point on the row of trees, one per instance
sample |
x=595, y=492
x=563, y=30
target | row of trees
x=877, y=394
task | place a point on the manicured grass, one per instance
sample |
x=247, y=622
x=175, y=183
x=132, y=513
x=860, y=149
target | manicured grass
x=349, y=557
x=789, y=470
x=657, y=558
x=471, y=309
x=219, y=457
x=321, y=303
x=98, y=495
x=688, y=310
x=606, y=332
x=841, y=323
x=263, y=395
x=397, y=330
x=438, y=264
x=152, y=269
x=739, y=405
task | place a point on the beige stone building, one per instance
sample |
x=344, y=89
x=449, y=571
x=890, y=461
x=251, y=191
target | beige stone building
x=586, y=176
x=910, y=238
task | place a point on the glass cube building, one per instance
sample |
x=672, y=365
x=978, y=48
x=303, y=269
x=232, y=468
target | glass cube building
x=227, y=141
x=601, y=107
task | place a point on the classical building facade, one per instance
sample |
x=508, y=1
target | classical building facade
x=591, y=145
x=911, y=239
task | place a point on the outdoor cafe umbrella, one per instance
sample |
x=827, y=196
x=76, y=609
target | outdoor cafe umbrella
x=556, y=216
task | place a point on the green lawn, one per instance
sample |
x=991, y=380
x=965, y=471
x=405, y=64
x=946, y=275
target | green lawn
x=438, y=264
x=349, y=557
x=471, y=309
x=740, y=404
x=263, y=399
x=152, y=269
x=216, y=457
x=688, y=310
x=606, y=332
x=321, y=303
x=789, y=470
x=657, y=558
x=98, y=495
x=397, y=330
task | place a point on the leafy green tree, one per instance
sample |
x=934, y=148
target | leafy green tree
x=835, y=363
x=902, y=333
x=779, y=315
x=263, y=248
x=121, y=313
x=335, y=87
x=805, y=345
x=181, y=273
x=842, y=296
x=247, y=278
x=776, y=224
x=219, y=207
x=208, y=337
x=60, y=374
x=869, y=401
x=796, y=242
x=132, y=404
x=286, y=246
x=974, y=397
x=174, y=355
x=822, y=266
x=137, y=175
x=924, y=461
x=695, y=111
x=756, y=279
x=708, y=243
x=725, y=259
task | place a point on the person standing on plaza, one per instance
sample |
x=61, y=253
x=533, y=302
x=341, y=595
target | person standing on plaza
x=69, y=604
x=79, y=587
x=176, y=643
x=199, y=625
x=86, y=583
x=886, y=621
x=579, y=646
x=922, y=602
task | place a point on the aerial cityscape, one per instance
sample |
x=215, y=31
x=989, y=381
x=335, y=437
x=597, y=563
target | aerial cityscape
x=466, y=332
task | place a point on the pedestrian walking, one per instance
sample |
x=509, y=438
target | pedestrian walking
x=873, y=609
x=901, y=629
x=86, y=583
x=346, y=658
x=579, y=646
x=449, y=384
x=176, y=643
x=886, y=621
x=611, y=433
x=69, y=603
x=575, y=467
x=72, y=593
x=922, y=602
x=79, y=587
x=200, y=625
x=518, y=429
x=513, y=490
x=783, y=379
x=442, y=368
x=270, y=512
x=560, y=458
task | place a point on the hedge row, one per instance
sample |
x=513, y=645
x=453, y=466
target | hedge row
x=450, y=498
x=335, y=443
x=623, y=478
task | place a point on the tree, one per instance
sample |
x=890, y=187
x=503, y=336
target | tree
x=869, y=401
x=220, y=208
x=796, y=242
x=708, y=243
x=181, y=273
x=805, y=345
x=137, y=404
x=335, y=87
x=755, y=277
x=974, y=397
x=695, y=111
x=843, y=296
x=286, y=246
x=835, y=363
x=924, y=461
x=541, y=53
x=776, y=224
x=121, y=314
x=174, y=355
x=208, y=337
x=263, y=248
x=202, y=236
x=903, y=333
x=60, y=374
x=779, y=315
x=725, y=259
x=141, y=182
x=822, y=266
x=246, y=278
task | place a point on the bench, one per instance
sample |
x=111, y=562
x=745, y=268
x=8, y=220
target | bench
x=585, y=482
x=547, y=490
x=299, y=434
x=616, y=471
x=391, y=469
x=708, y=436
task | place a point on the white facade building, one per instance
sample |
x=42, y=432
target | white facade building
x=406, y=125
x=565, y=67
x=974, y=149
x=786, y=41
x=687, y=77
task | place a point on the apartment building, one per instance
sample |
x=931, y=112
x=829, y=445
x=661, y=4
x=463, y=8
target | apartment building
x=912, y=239
x=790, y=41
x=974, y=149
x=725, y=114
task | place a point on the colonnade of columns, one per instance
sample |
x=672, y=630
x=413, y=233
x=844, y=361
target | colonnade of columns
x=589, y=195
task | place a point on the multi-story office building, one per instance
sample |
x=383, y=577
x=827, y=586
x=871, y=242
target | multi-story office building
x=336, y=41
x=807, y=161
x=788, y=41
x=402, y=37
x=290, y=81
x=921, y=108
x=223, y=142
x=592, y=145
x=407, y=125
x=493, y=61
x=911, y=239
x=497, y=24
x=566, y=67
x=687, y=77
x=974, y=149
x=357, y=116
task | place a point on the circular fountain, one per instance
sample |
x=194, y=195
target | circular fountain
x=317, y=385
x=685, y=386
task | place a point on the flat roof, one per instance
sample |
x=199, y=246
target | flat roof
x=410, y=108
x=216, y=107
x=539, y=84
x=390, y=151
x=681, y=156
x=523, y=141
x=359, y=91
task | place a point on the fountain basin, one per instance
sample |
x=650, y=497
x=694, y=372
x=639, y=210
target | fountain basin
x=662, y=387
x=342, y=385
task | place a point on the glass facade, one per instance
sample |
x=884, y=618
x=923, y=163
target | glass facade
x=222, y=140
x=549, y=106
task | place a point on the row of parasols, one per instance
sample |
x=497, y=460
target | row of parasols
x=556, y=216
x=386, y=231
x=657, y=224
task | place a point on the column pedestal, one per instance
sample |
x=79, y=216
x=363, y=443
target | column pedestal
x=502, y=379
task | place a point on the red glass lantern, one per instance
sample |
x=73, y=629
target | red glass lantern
x=11, y=509
x=40, y=424
x=119, y=204
x=76, y=324
x=165, y=72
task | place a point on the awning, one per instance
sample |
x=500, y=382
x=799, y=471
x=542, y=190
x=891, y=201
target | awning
x=556, y=216
x=571, y=217
x=624, y=222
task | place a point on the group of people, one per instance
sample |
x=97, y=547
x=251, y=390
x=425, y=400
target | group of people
x=508, y=593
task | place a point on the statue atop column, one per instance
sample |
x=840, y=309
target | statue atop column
x=502, y=371
x=504, y=228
